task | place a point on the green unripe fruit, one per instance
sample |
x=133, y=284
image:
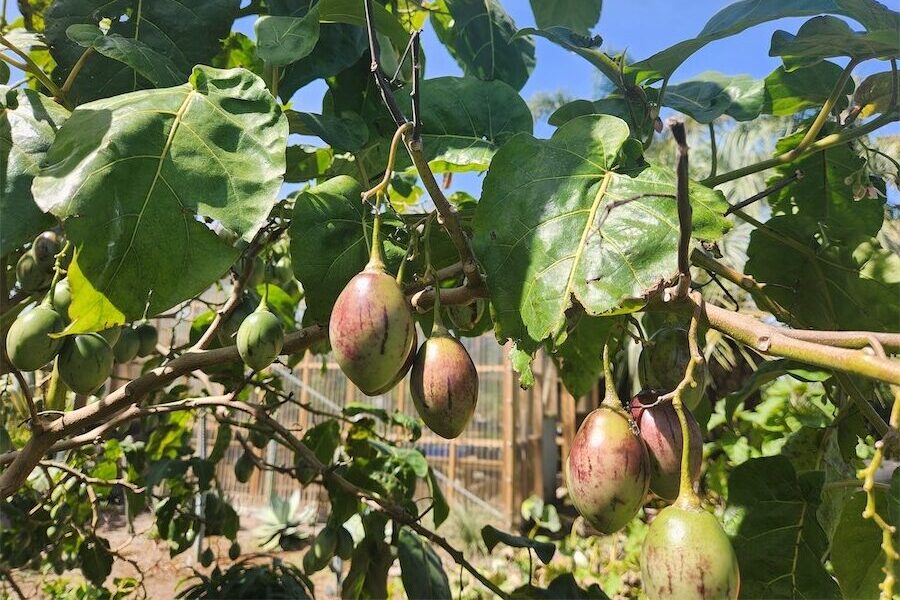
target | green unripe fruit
x=444, y=385
x=259, y=270
x=127, y=346
x=46, y=246
x=234, y=551
x=663, y=360
x=344, y=544
x=607, y=470
x=243, y=468
x=686, y=556
x=32, y=274
x=85, y=362
x=229, y=327
x=28, y=342
x=259, y=339
x=62, y=298
x=371, y=330
x=207, y=557
x=111, y=335
x=661, y=432
x=147, y=336
x=466, y=316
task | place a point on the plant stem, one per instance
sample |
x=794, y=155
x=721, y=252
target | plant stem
x=33, y=68
x=829, y=141
x=76, y=69
x=376, y=260
x=611, y=396
x=713, y=152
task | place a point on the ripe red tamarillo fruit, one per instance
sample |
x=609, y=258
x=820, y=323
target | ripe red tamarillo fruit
x=687, y=556
x=444, y=384
x=607, y=470
x=371, y=329
x=661, y=432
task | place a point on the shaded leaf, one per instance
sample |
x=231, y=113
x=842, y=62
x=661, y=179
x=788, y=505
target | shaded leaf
x=156, y=68
x=493, y=536
x=537, y=236
x=238, y=51
x=181, y=153
x=777, y=538
x=28, y=126
x=329, y=242
x=824, y=37
x=579, y=359
x=585, y=46
x=346, y=131
x=465, y=120
x=744, y=14
x=307, y=162
x=440, y=509
x=578, y=16
x=480, y=36
x=352, y=12
x=421, y=570
x=788, y=92
x=283, y=40
x=339, y=46
x=856, y=552
x=874, y=94
x=711, y=95
x=634, y=111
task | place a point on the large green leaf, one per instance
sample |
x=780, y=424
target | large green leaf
x=421, y=570
x=788, y=92
x=742, y=15
x=828, y=191
x=875, y=92
x=824, y=37
x=465, y=120
x=28, y=125
x=836, y=287
x=711, y=95
x=146, y=62
x=131, y=175
x=537, y=236
x=856, y=552
x=579, y=359
x=577, y=15
x=777, y=539
x=283, y=40
x=187, y=33
x=480, y=35
x=330, y=236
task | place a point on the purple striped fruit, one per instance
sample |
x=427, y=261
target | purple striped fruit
x=607, y=470
x=661, y=432
x=687, y=556
x=371, y=330
x=444, y=385
x=410, y=357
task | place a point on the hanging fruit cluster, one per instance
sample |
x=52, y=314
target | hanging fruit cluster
x=373, y=336
x=617, y=456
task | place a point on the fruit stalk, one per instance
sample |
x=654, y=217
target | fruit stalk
x=686, y=494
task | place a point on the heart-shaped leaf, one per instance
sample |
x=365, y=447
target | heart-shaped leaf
x=134, y=176
x=548, y=232
x=480, y=35
x=28, y=125
x=824, y=37
x=788, y=92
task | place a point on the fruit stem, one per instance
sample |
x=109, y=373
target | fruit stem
x=438, y=327
x=687, y=497
x=611, y=397
x=57, y=271
x=376, y=260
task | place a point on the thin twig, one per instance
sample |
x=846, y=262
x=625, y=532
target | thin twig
x=682, y=287
x=782, y=183
x=76, y=69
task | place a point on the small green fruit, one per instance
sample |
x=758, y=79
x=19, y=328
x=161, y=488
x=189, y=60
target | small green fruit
x=46, y=246
x=62, y=298
x=234, y=551
x=148, y=337
x=127, y=346
x=85, y=362
x=32, y=274
x=111, y=335
x=686, y=556
x=259, y=339
x=28, y=342
x=607, y=470
x=243, y=467
x=229, y=328
x=371, y=330
x=444, y=385
x=466, y=316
